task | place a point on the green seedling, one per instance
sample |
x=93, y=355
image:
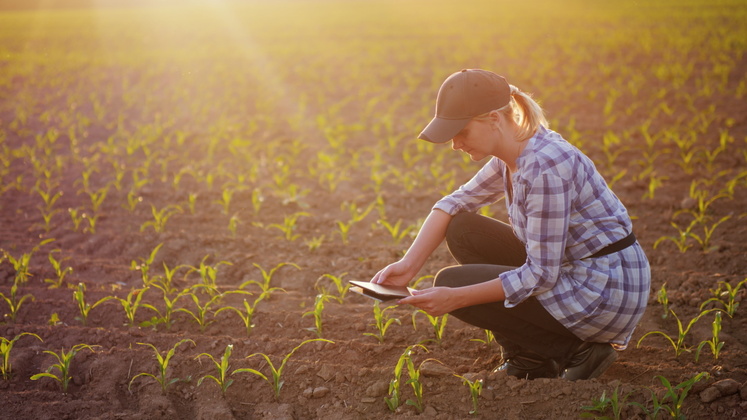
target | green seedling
x=233, y=224
x=289, y=225
x=604, y=404
x=396, y=231
x=14, y=302
x=222, y=368
x=265, y=284
x=314, y=243
x=160, y=217
x=163, y=365
x=680, y=240
x=678, y=344
x=705, y=240
x=394, y=400
x=225, y=200
x=342, y=288
x=21, y=264
x=317, y=313
x=714, y=343
x=277, y=373
x=381, y=321
x=6, y=346
x=726, y=295
x=145, y=264
x=417, y=386
x=475, y=389
x=97, y=198
x=201, y=312
x=438, y=323
x=676, y=395
x=79, y=295
x=166, y=281
x=208, y=274
x=63, y=365
x=59, y=271
x=133, y=199
x=247, y=315
x=131, y=304
x=344, y=229
x=49, y=198
x=169, y=308
x=191, y=202
x=663, y=299
x=76, y=217
x=489, y=338
x=257, y=200
x=47, y=216
x=91, y=223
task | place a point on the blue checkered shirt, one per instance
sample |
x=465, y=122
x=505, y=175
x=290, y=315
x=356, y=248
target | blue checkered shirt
x=563, y=211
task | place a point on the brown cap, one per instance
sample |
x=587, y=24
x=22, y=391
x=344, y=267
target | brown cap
x=463, y=96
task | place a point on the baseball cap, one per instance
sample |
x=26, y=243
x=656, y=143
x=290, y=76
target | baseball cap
x=463, y=96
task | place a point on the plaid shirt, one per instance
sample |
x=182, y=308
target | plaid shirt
x=563, y=211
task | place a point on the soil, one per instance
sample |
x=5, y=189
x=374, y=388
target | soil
x=349, y=377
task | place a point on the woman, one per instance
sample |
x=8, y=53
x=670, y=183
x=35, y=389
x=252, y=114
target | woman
x=564, y=285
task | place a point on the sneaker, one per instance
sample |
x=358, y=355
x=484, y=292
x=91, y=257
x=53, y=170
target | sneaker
x=524, y=367
x=589, y=361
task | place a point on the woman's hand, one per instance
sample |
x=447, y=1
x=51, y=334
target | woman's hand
x=436, y=301
x=397, y=274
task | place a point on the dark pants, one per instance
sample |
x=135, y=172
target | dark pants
x=485, y=248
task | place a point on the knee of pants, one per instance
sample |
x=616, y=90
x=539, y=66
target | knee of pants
x=447, y=277
x=457, y=226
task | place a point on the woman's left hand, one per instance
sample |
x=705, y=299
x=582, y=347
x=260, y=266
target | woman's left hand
x=436, y=301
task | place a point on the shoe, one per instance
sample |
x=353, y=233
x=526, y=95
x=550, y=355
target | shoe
x=589, y=361
x=524, y=367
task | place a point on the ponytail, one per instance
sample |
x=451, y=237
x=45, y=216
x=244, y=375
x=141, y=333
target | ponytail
x=527, y=113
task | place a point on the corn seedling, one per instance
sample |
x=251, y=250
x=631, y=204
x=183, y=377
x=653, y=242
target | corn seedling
x=415, y=384
x=131, y=304
x=663, y=299
x=605, y=404
x=289, y=225
x=475, y=389
x=163, y=365
x=438, y=323
x=676, y=395
x=314, y=243
x=91, y=223
x=6, y=346
x=59, y=271
x=160, y=217
x=265, y=284
x=714, y=343
x=79, y=295
x=489, y=338
x=169, y=309
x=679, y=343
x=233, y=224
x=97, y=198
x=191, y=202
x=394, y=400
x=381, y=321
x=679, y=240
x=208, y=274
x=277, y=373
x=343, y=229
x=166, y=281
x=225, y=200
x=21, y=264
x=145, y=264
x=396, y=231
x=247, y=315
x=76, y=217
x=342, y=288
x=726, y=295
x=257, y=200
x=14, y=302
x=317, y=313
x=222, y=368
x=705, y=240
x=201, y=312
x=63, y=365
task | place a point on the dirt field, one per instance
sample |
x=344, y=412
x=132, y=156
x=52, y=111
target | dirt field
x=146, y=108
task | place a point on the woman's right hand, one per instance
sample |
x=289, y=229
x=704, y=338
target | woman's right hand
x=397, y=274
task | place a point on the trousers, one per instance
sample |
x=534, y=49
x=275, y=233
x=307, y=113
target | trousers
x=484, y=248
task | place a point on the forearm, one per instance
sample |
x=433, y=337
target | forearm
x=430, y=236
x=476, y=294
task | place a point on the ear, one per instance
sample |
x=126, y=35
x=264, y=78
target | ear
x=496, y=119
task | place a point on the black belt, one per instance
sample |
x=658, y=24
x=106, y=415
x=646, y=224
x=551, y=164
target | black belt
x=614, y=247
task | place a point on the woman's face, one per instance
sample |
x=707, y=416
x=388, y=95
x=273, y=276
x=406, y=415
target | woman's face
x=477, y=139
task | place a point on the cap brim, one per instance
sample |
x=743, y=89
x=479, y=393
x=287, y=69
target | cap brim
x=441, y=130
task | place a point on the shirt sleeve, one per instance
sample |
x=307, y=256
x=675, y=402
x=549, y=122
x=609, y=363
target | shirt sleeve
x=547, y=210
x=484, y=188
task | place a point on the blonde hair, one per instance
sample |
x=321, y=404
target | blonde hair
x=526, y=112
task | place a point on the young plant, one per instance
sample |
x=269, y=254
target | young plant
x=208, y=274
x=166, y=281
x=680, y=240
x=678, y=344
x=676, y=394
x=342, y=288
x=417, y=386
x=394, y=400
x=200, y=314
x=277, y=373
x=79, y=295
x=663, y=299
x=264, y=285
x=705, y=240
x=475, y=389
x=438, y=323
x=145, y=264
x=317, y=313
x=605, y=403
x=131, y=304
x=63, y=365
x=247, y=315
x=168, y=311
x=396, y=231
x=314, y=243
x=160, y=217
x=5, y=348
x=163, y=365
x=59, y=272
x=727, y=296
x=714, y=343
x=381, y=321
x=222, y=368
x=289, y=225
x=489, y=338
x=21, y=264
x=14, y=302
